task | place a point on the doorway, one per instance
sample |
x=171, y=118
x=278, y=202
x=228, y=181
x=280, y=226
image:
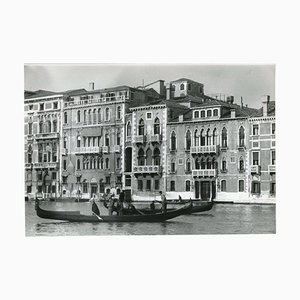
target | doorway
x=197, y=189
x=205, y=190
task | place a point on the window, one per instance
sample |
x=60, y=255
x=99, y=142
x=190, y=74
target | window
x=85, y=187
x=209, y=113
x=255, y=129
x=197, y=163
x=53, y=175
x=224, y=137
x=241, y=137
x=148, y=185
x=255, y=187
x=273, y=188
x=41, y=127
x=84, y=117
x=78, y=164
x=119, y=179
x=65, y=165
x=106, y=140
x=107, y=114
x=128, y=132
x=232, y=160
x=119, y=113
x=29, y=158
x=99, y=115
x=196, y=114
x=224, y=165
x=78, y=116
x=107, y=163
x=172, y=186
x=65, y=143
x=189, y=86
x=53, y=188
x=31, y=107
x=273, y=128
x=54, y=126
x=28, y=189
x=202, y=138
x=107, y=179
x=40, y=176
x=202, y=113
x=140, y=185
x=156, y=184
x=78, y=141
x=55, y=105
x=187, y=186
x=156, y=157
x=188, y=140
x=118, y=163
x=215, y=113
x=173, y=141
x=65, y=117
x=42, y=106
x=223, y=185
x=241, y=186
x=157, y=126
x=148, y=115
x=148, y=157
x=118, y=139
x=127, y=180
x=29, y=128
x=273, y=161
x=141, y=157
x=141, y=127
x=173, y=167
x=196, y=138
x=241, y=164
x=255, y=158
x=40, y=189
x=188, y=165
x=182, y=87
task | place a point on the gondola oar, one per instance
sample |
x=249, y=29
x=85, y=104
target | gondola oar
x=98, y=216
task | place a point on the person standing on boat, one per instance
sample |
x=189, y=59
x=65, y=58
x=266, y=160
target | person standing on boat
x=163, y=202
x=95, y=208
x=111, y=204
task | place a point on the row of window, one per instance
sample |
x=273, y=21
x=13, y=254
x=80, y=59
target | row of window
x=93, y=141
x=207, y=113
x=53, y=105
x=90, y=163
x=255, y=129
x=44, y=127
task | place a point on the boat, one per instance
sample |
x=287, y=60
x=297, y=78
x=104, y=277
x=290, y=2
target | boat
x=76, y=216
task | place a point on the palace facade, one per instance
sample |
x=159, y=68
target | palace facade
x=169, y=137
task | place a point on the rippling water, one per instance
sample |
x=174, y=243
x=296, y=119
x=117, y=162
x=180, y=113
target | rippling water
x=222, y=219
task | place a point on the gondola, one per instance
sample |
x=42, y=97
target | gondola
x=76, y=216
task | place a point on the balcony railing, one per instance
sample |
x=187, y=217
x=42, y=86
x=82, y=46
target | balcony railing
x=147, y=169
x=255, y=169
x=97, y=100
x=204, y=149
x=272, y=168
x=64, y=151
x=156, y=138
x=45, y=165
x=117, y=148
x=48, y=135
x=140, y=139
x=105, y=149
x=204, y=173
x=83, y=150
x=28, y=166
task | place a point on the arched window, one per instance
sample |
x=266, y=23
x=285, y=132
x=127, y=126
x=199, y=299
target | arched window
x=223, y=185
x=241, y=137
x=87, y=165
x=214, y=164
x=54, y=125
x=141, y=127
x=208, y=163
x=173, y=141
x=224, y=137
x=98, y=163
x=94, y=116
x=148, y=157
x=188, y=165
x=196, y=138
x=156, y=157
x=41, y=125
x=197, y=163
x=119, y=112
x=118, y=138
x=90, y=116
x=203, y=165
x=78, y=116
x=107, y=114
x=106, y=140
x=65, y=143
x=173, y=166
x=208, y=137
x=141, y=157
x=78, y=141
x=214, y=138
x=241, y=186
x=107, y=163
x=215, y=113
x=182, y=87
x=65, y=117
x=128, y=130
x=101, y=163
x=49, y=126
x=78, y=164
x=224, y=164
x=196, y=114
x=188, y=186
x=118, y=163
x=156, y=126
x=241, y=164
x=99, y=115
x=202, y=140
x=84, y=117
x=188, y=140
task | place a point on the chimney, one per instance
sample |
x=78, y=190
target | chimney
x=92, y=86
x=265, y=101
x=180, y=118
x=230, y=99
x=162, y=89
x=232, y=113
x=168, y=90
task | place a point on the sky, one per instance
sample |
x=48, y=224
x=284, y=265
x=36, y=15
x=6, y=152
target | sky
x=247, y=81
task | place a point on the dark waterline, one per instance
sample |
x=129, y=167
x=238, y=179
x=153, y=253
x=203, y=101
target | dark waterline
x=222, y=219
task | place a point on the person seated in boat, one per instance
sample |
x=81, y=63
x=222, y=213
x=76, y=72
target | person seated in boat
x=179, y=198
x=95, y=208
x=132, y=210
x=120, y=207
x=152, y=205
x=111, y=204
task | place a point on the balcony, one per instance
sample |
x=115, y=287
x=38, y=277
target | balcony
x=204, y=149
x=105, y=149
x=85, y=150
x=241, y=147
x=272, y=169
x=45, y=165
x=29, y=137
x=48, y=135
x=117, y=148
x=147, y=169
x=204, y=173
x=156, y=138
x=28, y=166
x=64, y=151
x=140, y=139
x=255, y=169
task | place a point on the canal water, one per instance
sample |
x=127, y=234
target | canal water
x=222, y=219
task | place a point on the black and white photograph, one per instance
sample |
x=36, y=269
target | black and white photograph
x=144, y=155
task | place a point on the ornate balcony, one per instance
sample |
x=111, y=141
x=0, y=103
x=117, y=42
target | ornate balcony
x=204, y=173
x=140, y=139
x=84, y=150
x=272, y=169
x=147, y=169
x=204, y=149
x=48, y=135
x=255, y=169
x=156, y=138
x=45, y=165
x=117, y=148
